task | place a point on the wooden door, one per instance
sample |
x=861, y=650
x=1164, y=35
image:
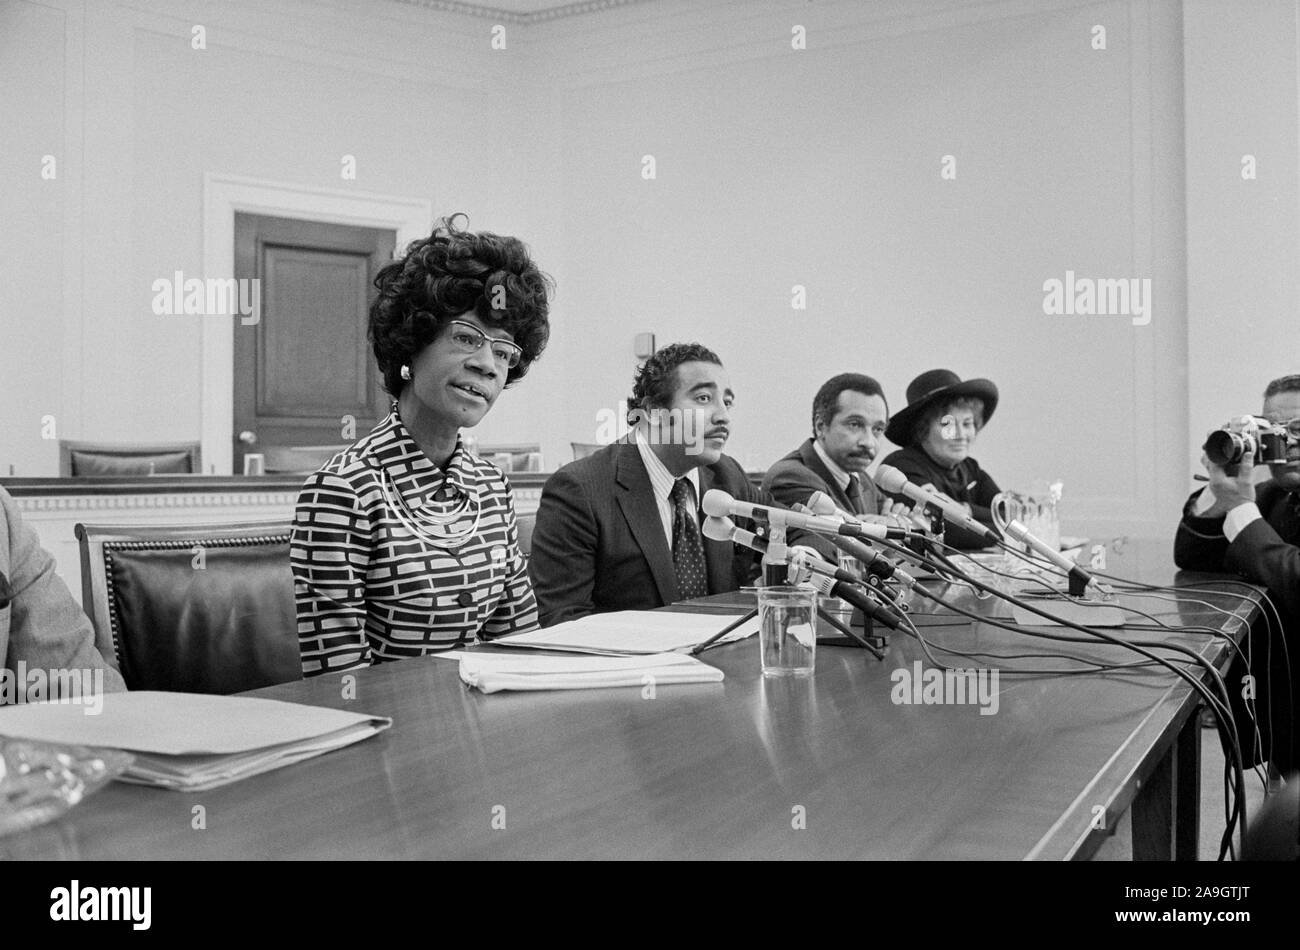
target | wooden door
x=304, y=374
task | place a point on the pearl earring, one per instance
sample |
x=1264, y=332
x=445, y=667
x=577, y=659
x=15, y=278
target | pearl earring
x=406, y=373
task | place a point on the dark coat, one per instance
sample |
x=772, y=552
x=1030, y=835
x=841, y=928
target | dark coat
x=599, y=544
x=1266, y=553
x=792, y=479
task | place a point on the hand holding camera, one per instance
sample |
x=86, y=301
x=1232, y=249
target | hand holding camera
x=1230, y=456
x=1230, y=488
x=1254, y=435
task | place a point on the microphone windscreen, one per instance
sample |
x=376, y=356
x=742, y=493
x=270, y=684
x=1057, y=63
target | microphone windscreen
x=718, y=529
x=820, y=504
x=717, y=503
x=890, y=479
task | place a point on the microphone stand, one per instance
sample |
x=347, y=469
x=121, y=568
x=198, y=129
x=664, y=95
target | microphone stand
x=858, y=639
x=774, y=574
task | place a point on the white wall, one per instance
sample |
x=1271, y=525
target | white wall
x=136, y=116
x=821, y=167
x=1243, y=236
x=40, y=273
x=775, y=167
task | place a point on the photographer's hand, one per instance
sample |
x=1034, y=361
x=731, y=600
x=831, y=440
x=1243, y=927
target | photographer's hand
x=1230, y=490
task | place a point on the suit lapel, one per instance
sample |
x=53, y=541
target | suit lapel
x=637, y=502
x=719, y=556
x=814, y=462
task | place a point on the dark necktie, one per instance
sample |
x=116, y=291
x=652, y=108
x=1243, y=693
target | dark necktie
x=688, y=548
x=855, y=495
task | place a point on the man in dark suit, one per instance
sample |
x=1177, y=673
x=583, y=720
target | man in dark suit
x=848, y=421
x=1236, y=526
x=620, y=529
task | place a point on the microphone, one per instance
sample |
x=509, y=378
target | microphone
x=807, y=566
x=849, y=593
x=819, y=503
x=1080, y=579
x=891, y=481
x=718, y=528
x=719, y=504
x=806, y=559
x=872, y=560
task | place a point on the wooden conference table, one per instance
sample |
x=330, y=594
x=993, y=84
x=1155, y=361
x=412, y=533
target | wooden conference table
x=827, y=767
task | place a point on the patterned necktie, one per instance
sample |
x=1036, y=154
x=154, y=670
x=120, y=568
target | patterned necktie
x=855, y=495
x=688, y=548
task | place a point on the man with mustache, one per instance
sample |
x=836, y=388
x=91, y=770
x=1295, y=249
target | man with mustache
x=848, y=421
x=620, y=529
x=1236, y=526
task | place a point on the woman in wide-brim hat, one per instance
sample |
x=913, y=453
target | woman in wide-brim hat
x=936, y=431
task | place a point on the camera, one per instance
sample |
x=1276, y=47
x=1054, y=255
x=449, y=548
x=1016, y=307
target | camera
x=1252, y=434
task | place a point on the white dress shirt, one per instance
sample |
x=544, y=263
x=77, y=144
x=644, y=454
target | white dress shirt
x=662, y=480
x=1235, y=521
x=841, y=477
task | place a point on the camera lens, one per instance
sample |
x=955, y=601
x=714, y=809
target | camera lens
x=1224, y=448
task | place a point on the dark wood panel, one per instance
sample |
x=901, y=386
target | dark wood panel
x=306, y=367
x=156, y=484
x=313, y=358
x=148, y=485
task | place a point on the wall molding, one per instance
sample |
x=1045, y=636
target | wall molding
x=486, y=12
x=681, y=38
x=94, y=502
x=224, y=196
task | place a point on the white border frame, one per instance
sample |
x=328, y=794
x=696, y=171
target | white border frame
x=223, y=196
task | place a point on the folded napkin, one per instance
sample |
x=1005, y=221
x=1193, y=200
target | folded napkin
x=492, y=672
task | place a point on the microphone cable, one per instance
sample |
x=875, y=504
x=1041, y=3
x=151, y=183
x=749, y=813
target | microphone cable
x=1269, y=612
x=1222, y=708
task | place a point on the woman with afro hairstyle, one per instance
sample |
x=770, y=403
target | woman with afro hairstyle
x=406, y=543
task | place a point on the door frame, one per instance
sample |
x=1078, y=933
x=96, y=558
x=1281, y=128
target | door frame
x=223, y=196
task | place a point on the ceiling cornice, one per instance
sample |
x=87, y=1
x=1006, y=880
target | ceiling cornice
x=498, y=15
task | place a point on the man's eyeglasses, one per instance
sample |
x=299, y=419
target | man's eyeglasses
x=467, y=338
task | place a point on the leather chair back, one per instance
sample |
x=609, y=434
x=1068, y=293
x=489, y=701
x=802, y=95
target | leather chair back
x=192, y=608
x=78, y=458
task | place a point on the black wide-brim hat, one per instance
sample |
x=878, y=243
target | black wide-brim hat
x=937, y=385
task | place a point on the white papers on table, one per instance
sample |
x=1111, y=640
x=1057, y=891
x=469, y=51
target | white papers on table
x=492, y=672
x=631, y=632
x=192, y=741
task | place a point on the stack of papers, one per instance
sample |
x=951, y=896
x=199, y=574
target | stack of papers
x=631, y=633
x=193, y=742
x=493, y=672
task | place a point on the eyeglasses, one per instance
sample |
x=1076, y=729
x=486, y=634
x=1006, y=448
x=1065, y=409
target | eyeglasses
x=467, y=338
